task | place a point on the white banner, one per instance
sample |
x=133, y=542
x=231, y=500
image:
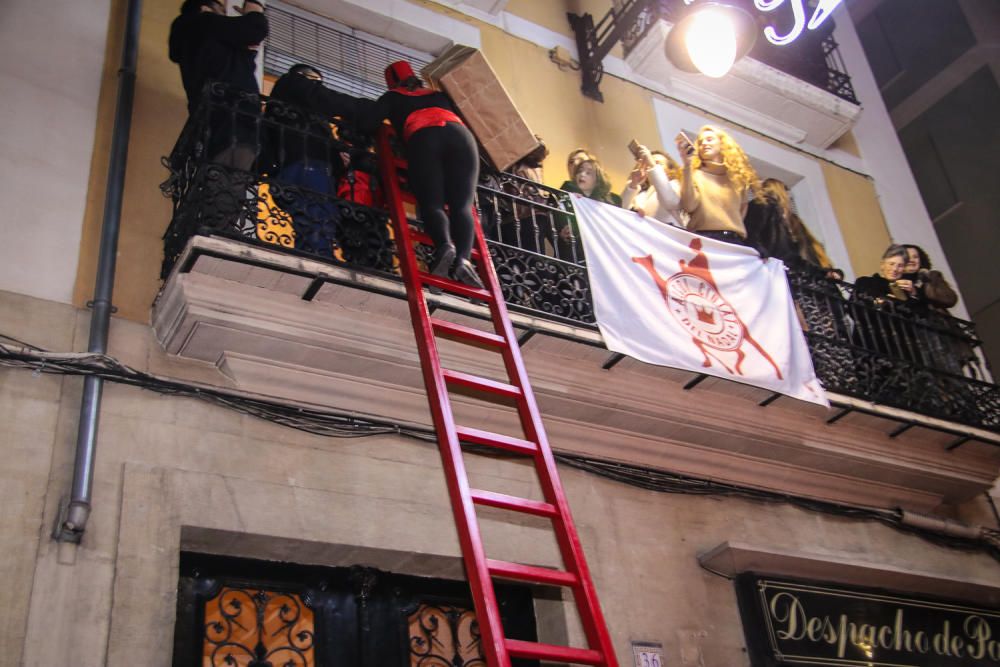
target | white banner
x=668, y=297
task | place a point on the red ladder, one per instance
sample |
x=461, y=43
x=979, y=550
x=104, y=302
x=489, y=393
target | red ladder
x=480, y=570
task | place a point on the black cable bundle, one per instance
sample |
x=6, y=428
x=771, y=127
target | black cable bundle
x=343, y=424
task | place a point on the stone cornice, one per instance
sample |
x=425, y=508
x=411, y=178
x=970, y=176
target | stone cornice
x=353, y=349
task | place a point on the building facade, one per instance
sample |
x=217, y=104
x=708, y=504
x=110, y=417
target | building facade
x=940, y=100
x=263, y=433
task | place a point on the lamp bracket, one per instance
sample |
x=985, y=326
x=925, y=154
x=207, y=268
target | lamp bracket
x=594, y=42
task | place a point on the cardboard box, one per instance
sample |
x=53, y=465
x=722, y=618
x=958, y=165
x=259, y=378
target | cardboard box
x=464, y=73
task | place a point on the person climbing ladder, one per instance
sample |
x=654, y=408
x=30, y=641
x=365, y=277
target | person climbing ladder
x=443, y=166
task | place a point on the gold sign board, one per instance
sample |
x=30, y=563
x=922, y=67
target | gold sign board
x=808, y=623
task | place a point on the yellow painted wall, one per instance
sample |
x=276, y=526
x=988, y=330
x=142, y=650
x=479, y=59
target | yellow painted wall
x=551, y=14
x=159, y=113
x=553, y=106
x=856, y=206
x=848, y=143
x=549, y=99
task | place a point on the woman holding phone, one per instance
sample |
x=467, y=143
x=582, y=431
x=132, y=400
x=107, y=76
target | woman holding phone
x=653, y=189
x=717, y=183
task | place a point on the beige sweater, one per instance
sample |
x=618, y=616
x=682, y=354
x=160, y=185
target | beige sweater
x=717, y=205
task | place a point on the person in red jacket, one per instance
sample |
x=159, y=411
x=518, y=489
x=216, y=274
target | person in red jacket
x=443, y=166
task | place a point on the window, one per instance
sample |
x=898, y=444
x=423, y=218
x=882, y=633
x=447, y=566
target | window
x=351, y=61
x=802, y=174
x=238, y=612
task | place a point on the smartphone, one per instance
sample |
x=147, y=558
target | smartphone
x=633, y=146
x=685, y=143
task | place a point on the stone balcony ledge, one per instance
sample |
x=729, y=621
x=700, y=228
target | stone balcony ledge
x=350, y=346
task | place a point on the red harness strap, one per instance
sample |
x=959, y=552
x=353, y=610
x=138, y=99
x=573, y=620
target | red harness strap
x=429, y=117
x=416, y=92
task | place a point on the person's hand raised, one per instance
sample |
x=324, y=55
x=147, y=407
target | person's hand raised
x=645, y=158
x=906, y=286
x=685, y=148
x=636, y=176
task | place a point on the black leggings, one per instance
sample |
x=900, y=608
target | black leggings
x=444, y=169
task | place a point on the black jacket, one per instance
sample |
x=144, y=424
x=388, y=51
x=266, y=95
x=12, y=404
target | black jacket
x=211, y=47
x=313, y=96
x=397, y=107
x=767, y=232
x=300, y=111
x=872, y=287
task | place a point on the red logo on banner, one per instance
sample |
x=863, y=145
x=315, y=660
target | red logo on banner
x=694, y=300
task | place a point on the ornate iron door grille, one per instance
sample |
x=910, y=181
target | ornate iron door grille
x=239, y=612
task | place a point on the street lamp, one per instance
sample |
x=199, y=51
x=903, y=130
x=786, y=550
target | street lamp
x=710, y=38
x=707, y=38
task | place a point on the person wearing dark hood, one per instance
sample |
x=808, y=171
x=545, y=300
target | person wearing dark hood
x=210, y=47
x=299, y=113
x=443, y=166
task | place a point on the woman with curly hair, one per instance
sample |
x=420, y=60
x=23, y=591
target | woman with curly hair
x=716, y=185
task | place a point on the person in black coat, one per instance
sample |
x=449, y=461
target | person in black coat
x=443, y=166
x=767, y=222
x=886, y=324
x=305, y=154
x=888, y=282
x=210, y=47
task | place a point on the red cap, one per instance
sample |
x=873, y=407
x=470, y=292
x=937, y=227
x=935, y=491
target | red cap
x=397, y=73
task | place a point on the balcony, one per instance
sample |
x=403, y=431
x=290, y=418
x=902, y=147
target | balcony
x=804, y=84
x=259, y=283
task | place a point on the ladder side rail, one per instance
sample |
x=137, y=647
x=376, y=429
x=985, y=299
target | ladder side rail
x=571, y=549
x=481, y=583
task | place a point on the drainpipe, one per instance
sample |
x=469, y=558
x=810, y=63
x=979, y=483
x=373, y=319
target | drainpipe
x=74, y=523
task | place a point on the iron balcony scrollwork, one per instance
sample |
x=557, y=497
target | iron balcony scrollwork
x=894, y=354
x=887, y=354
x=282, y=194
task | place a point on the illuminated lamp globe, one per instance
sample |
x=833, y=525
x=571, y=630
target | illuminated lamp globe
x=710, y=38
x=711, y=42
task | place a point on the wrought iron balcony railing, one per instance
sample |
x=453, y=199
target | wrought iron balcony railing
x=920, y=361
x=814, y=57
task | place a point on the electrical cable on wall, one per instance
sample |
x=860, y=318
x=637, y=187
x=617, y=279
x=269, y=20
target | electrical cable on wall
x=345, y=424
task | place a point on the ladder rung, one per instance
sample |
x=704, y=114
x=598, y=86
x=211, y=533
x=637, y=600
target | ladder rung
x=536, y=575
x=422, y=237
x=581, y=656
x=469, y=334
x=401, y=163
x=505, y=442
x=481, y=383
x=449, y=285
x=513, y=503
x=408, y=197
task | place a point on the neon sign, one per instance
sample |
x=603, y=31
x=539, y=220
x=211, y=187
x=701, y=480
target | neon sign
x=822, y=12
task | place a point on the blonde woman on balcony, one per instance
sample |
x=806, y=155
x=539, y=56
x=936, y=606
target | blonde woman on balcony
x=716, y=185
